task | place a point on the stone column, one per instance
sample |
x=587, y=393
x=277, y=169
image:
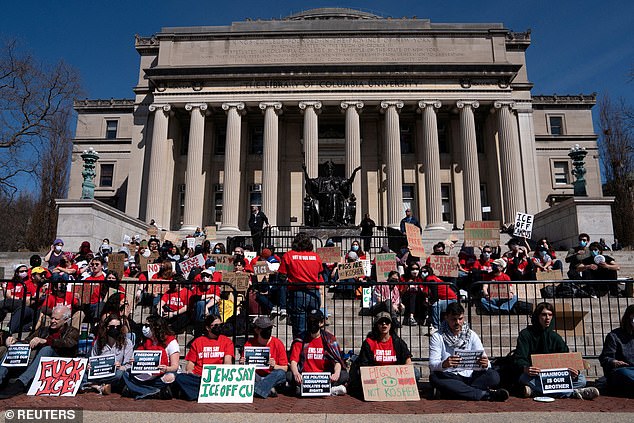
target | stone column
x=393, y=162
x=311, y=136
x=270, y=160
x=470, y=167
x=527, y=145
x=231, y=191
x=194, y=178
x=510, y=166
x=155, y=192
x=353, y=148
x=431, y=164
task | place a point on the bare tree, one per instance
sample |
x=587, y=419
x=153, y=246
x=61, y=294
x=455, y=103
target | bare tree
x=616, y=123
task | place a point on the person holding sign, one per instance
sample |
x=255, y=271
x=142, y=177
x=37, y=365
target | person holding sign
x=274, y=375
x=59, y=339
x=617, y=357
x=21, y=286
x=158, y=337
x=388, y=297
x=539, y=338
x=211, y=348
x=317, y=351
x=409, y=218
x=451, y=375
x=498, y=297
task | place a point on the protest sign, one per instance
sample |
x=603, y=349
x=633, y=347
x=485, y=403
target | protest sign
x=500, y=290
x=329, y=254
x=250, y=255
x=226, y=384
x=572, y=360
x=17, y=356
x=549, y=275
x=172, y=237
x=257, y=356
x=101, y=366
x=350, y=270
x=146, y=361
x=210, y=232
x=261, y=268
x=479, y=233
x=115, y=262
x=385, y=263
x=152, y=269
x=187, y=265
x=444, y=265
x=240, y=281
x=152, y=231
x=84, y=291
x=389, y=383
x=366, y=297
x=367, y=267
x=555, y=381
x=414, y=241
x=523, y=225
x=316, y=384
x=224, y=262
x=144, y=261
x=191, y=242
x=469, y=359
x=58, y=377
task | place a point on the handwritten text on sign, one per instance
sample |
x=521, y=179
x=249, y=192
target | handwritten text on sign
x=224, y=262
x=187, y=265
x=329, y=254
x=389, y=383
x=523, y=225
x=480, y=233
x=226, y=384
x=444, y=265
x=414, y=241
x=350, y=270
x=385, y=263
x=58, y=377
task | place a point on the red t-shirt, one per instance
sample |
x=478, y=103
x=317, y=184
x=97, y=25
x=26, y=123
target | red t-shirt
x=176, y=299
x=68, y=300
x=277, y=351
x=169, y=347
x=383, y=352
x=485, y=267
x=205, y=350
x=444, y=292
x=212, y=290
x=301, y=267
x=95, y=296
x=314, y=360
x=95, y=278
x=18, y=288
x=501, y=277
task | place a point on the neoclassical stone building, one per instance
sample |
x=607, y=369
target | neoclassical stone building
x=440, y=117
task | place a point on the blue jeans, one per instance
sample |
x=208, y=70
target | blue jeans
x=437, y=309
x=498, y=304
x=535, y=384
x=142, y=389
x=264, y=384
x=115, y=380
x=302, y=302
x=189, y=385
x=278, y=292
x=29, y=373
x=621, y=381
x=201, y=307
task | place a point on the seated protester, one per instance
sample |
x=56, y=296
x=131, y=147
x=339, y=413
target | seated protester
x=446, y=376
x=519, y=267
x=84, y=253
x=65, y=270
x=345, y=288
x=58, y=294
x=55, y=254
x=388, y=297
x=617, y=357
x=96, y=269
x=174, y=305
x=238, y=253
x=277, y=291
x=466, y=263
x=508, y=297
x=211, y=348
x=482, y=268
x=111, y=340
x=59, y=339
x=317, y=350
x=205, y=297
x=440, y=296
x=414, y=296
x=267, y=380
x=600, y=267
x=542, y=261
x=101, y=292
x=355, y=247
x=539, y=338
x=576, y=255
x=19, y=291
x=157, y=337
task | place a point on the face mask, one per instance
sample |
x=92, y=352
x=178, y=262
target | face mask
x=113, y=333
x=147, y=332
x=495, y=268
x=216, y=330
x=486, y=255
x=172, y=286
x=216, y=251
x=126, y=265
x=105, y=246
x=239, y=256
x=355, y=248
x=313, y=326
x=583, y=243
x=424, y=274
x=543, y=253
x=147, y=253
x=266, y=332
x=415, y=272
x=212, y=268
x=23, y=274
x=595, y=253
x=58, y=248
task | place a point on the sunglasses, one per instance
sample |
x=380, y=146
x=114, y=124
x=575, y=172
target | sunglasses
x=114, y=326
x=384, y=323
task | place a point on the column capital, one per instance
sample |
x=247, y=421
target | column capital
x=385, y=104
x=191, y=106
x=474, y=104
x=352, y=103
x=303, y=105
x=155, y=106
x=504, y=103
x=239, y=106
x=276, y=105
x=436, y=104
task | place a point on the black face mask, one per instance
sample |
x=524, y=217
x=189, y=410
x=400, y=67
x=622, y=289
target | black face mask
x=313, y=326
x=114, y=333
x=266, y=332
x=216, y=330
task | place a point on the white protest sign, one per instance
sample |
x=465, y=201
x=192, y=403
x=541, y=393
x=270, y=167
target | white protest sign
x=523, y=225
x=152, y=269
x=146, y=361
x=250, y=255
x=226, y=384
x=58, y=377
x=367, y=267
x=101, y=366
x=191, y=242
x=469, y=359
x=17, y=356
x=187, y=265
x=366, y=297
x=316, y=384
x=556, y=380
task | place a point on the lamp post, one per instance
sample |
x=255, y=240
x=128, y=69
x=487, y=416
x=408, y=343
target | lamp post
x=578, y=154
x=90, y=157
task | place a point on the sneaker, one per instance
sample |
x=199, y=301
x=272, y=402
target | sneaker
x=338, y=390
x=588, y=393
x=526, y=391
x=273, y=393
x=498, y=395
x=283, y=314
x=275, y=311
x=410, y=321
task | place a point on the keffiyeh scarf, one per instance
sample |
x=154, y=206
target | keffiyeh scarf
x=459, y=341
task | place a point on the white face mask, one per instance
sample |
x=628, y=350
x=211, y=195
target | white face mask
x=147, y=253
x=58, y=248
x=23, y=274
x=414, y=272
x=425, y=274
x=147, y=332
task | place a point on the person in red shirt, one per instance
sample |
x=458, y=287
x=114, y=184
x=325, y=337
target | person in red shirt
x=440, y=296
x=275, y=375
x=20, y=291
x=317, y=351
x=211, y=348
x=59, y=295
x=505, y=296
x=482, y=267
x=174, y=305
x=100, y=293
x=205, y=297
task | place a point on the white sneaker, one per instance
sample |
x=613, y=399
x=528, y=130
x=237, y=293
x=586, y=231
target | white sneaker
x=338, y=390
x=588, y=393
x=274, y=312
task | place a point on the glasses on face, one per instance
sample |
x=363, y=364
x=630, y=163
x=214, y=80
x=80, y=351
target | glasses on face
x=114, y=326
x=384, y=323
x=237, y=252
x=95, y=264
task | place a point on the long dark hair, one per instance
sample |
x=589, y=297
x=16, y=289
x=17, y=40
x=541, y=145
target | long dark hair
x=376, y=335
x=302, y=242
x=102, y=333
x=160, y=328
x=538, y=310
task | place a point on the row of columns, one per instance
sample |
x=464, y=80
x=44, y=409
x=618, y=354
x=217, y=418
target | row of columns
x=194, y=179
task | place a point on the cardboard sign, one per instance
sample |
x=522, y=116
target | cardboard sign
x=329, y=254
x=414, y=241
x=385, y=263
x=550, y=275
x=261, y=268
x=238, y=280
x=17, y=356
x=227, y=384
x=500, y=290
x=316, y=384
x=172, y=237
x=146, y=361
x=101, y=366
x=58, y=377
x=367, y=267
x=210, y=232
x=444, y=265
x=257, y=356
x=556, y=380
x=152, y=231
x=153, y=269
x=144, y=261
x=187, y=265
x=224, y=262
x=523, y=225
x=84, y=291
x=350, y=270
x=480, y=233
x=389, y=383
x=571, y=360
x=191, y=242
x=115, y=262
x=469, y=359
